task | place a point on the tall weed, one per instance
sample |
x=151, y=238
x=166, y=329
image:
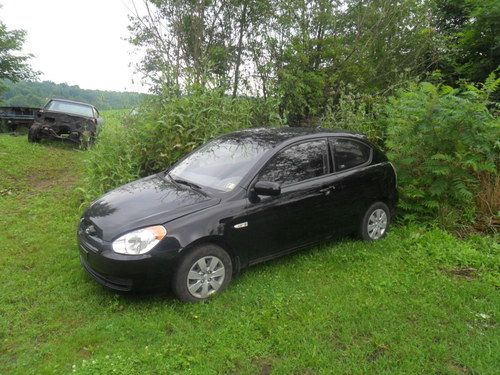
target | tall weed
x=358, y=113
x=165, y=129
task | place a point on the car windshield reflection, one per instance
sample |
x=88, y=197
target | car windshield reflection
x=222, y=163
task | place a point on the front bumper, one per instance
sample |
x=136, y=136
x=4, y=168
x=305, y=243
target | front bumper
x=127, y=272
x=115, y=283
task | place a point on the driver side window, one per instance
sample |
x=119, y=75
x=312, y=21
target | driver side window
x=297, y=163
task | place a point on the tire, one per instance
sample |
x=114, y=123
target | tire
x=203, y=283
x=375, y=222
x=34, y=134
x=4, y=127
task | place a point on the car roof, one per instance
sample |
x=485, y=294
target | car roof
x=70, y=101
x=275, y=136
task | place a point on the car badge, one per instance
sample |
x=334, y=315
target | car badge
x=90, y=230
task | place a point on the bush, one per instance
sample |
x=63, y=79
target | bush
x=358, y=113
x=444, y=143
x=164, y=130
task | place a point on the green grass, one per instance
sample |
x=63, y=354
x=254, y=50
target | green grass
x=420, y=301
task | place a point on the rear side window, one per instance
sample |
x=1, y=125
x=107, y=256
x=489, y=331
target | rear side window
x=349, y=154
x=297, y=163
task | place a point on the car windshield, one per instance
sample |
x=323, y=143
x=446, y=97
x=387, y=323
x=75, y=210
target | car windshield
x=71, y=108
x=220, y=164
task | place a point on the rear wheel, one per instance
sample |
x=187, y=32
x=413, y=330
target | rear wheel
x=204, y=271
x=375, y=222
x=34, y=133
x=4, y=126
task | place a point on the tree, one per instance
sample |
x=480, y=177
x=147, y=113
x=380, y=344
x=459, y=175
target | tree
x=308, y=53
x=369, y=46
x=13, y=64
x=470, y=41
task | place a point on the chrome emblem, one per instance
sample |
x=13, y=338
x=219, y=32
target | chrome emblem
x=90, y=230
x=241, y=225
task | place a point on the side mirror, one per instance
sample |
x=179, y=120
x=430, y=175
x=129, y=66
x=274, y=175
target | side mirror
x=267, y=188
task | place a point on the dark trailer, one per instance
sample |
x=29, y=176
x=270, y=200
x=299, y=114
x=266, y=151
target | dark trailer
x=13, y=117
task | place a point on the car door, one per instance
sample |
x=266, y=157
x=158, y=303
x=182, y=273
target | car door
x=296, y=217
x=356, y=181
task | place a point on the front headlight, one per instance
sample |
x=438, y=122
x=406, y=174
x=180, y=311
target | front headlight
x=139, y=241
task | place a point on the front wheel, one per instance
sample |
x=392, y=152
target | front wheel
x=375, y=222
x=204, y=271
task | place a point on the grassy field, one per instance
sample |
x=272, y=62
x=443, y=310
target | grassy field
x=418, y=302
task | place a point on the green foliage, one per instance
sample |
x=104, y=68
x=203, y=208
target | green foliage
x=469, y=38
x=163, y=131
x=299, y=51
x=36, y=94
x=13, y=64
x=441, y=139
x=369, y=45
x=304, y=52
x=358, y=113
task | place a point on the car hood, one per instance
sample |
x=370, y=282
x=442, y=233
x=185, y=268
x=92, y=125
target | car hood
x=149, y=201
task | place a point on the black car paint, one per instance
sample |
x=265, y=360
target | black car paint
x=301, y=215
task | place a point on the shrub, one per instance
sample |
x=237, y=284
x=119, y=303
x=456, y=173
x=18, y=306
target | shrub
x=358, y=113
x=165, y=129
x=444, y=143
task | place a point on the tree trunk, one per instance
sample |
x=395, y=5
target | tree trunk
x=240, y=47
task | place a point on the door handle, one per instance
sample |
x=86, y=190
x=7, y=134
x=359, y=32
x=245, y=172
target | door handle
x=327, y=190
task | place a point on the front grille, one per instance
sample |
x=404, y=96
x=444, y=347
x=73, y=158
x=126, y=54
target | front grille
x=87, y=246
x=90, y=236
x=90, y=229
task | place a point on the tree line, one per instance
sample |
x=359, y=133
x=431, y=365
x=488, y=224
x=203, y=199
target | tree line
x=36, y=94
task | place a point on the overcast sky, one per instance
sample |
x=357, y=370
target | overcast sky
x=79, y=42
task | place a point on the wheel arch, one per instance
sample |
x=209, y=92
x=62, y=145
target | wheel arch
x=218, y=241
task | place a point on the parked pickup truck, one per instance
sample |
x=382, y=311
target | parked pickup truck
x=13, y=117
x=66, y=119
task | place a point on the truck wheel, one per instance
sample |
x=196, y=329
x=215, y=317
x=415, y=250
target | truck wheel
x=34, y=134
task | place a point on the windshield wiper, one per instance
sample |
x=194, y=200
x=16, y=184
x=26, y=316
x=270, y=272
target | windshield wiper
x=187, y=183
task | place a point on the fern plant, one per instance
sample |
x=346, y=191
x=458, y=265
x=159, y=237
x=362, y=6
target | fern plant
x=441, y=139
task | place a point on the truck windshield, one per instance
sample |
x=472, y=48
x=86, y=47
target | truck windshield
x=71, y=108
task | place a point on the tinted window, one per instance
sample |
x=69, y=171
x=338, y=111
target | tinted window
x=297, y=163
x=349, y=154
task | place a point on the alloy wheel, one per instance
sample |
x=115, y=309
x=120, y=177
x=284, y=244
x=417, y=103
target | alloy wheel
x=377, y=224
x=205, y=276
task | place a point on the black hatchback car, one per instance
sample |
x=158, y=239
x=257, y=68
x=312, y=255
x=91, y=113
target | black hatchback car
x=240, y=199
